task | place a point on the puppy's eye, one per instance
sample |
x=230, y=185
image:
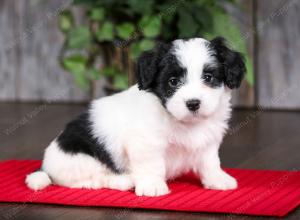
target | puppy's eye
x=208, y=77
x=173, y=82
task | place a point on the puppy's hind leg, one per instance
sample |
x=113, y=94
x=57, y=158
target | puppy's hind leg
x=92, y=183
x=121, y=182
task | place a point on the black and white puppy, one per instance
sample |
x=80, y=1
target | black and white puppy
x=173, y=121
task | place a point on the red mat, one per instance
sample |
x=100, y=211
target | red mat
x=269, y=193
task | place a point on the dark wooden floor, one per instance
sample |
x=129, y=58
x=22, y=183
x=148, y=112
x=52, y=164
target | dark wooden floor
x=258, y=140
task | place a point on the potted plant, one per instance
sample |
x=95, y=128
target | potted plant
x=113, y=33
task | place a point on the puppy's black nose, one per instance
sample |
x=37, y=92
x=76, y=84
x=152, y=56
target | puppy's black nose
x=193, y=104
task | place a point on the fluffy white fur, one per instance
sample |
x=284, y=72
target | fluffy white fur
x=151, y=144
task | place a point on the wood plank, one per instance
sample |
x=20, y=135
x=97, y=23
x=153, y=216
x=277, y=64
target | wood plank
x=41, y=77
x=278, y=54
x=243, y=17
x=8, y=56
x=259, y=144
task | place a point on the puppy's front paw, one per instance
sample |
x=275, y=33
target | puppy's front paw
x=153, y=187
x=220, y=181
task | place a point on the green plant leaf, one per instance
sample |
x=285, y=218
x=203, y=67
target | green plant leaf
x=202, y=17
x=120, y=81
x=186, y=25
x=125, y=30
x=150, y=26
x=93, y=73
x=223, y=26
x=109, y=71
x=76, y=64
x=139, y=7
x=65, y=21
x=81, y=80
x=135, y=50
x=146, y=44
x=96, y=14
x=79, y=37
x=88, y=2
x=105, y=32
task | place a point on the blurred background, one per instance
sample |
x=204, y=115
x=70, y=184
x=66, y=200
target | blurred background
x=72, y=51
x=57, y=55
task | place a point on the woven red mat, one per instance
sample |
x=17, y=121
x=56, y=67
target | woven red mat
x=267, y=193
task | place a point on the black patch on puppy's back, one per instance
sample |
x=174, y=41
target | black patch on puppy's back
x=77, y=138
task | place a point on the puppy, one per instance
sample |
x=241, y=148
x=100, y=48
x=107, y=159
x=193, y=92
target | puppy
x=173, y=121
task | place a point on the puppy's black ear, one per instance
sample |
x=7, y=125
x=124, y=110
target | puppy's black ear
x=146, y=69
x=232, y=62
x=147, y=66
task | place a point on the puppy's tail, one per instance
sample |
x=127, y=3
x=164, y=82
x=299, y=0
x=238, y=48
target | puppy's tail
x=38, y=180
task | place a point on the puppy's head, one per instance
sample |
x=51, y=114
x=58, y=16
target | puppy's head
x=190, y=76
